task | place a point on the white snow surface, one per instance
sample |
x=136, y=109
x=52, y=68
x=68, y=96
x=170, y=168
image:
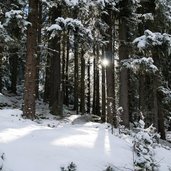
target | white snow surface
x=35, y=146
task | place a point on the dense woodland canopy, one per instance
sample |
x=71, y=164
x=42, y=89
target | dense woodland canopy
x=110, y=58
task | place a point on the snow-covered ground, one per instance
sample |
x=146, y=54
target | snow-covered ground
x=47, y=145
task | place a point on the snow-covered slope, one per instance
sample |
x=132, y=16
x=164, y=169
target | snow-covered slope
x=33, y=146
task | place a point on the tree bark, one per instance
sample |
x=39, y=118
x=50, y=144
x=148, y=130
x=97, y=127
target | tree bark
x=88, y=87
x=66, y=72
x=82, y=105
x=76, y=48
x=55, y=69
x=94, y=82
x=110, y=71
x=31, y=61
x=157, y=100
x=97, y=101
x=39, y=48
x=161, y=127
x=123, y=54
x=1, y=56
x=63, y=69
x=103, y=115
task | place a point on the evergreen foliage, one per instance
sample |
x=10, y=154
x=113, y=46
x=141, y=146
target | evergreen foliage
x=143, y=148
x=71, y=167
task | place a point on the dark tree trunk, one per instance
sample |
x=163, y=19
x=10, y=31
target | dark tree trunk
x=103, y=115
x=88, y=87
x=82, y=105
x=169, y=71
x=76, y=48
x=67, y=74
x=31, y=61
x=63, y=69
x=110, y=78
x=111, y=111
x=123, y=54
x=39, y=43
x=1, y=56
x=55, y=76
x=55, y=69
x=158, y=99
x=97, y=101
x=94, y=82
x=96, y=95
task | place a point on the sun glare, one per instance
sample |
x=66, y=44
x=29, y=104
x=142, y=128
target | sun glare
x=105, y=62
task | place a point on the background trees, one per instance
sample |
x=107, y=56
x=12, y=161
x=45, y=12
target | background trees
x=64, y=48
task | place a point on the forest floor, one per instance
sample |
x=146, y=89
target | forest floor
x=49, y=143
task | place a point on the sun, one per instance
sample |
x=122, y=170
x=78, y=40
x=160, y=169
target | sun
x=105, y=62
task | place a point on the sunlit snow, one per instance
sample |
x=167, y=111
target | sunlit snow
x=34, y=146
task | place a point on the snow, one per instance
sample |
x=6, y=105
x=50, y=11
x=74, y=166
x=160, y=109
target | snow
x=163, y=158
x=4, y=101
x=72, y=2
x=149, y=38
x=37, y=146
x=153, y=39
x=11, y=13
x=71, y=24
x=54, y=27
x=141, y=64
x=148, y=16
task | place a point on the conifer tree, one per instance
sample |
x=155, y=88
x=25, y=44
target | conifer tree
x=30, y=66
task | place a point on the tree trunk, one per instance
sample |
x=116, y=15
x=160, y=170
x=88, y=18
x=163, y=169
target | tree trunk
x=158, y=99
x=66, y=72
x=82, y=105
x=123, y=54
x=103, y=115
x=55, y=76
x=1, y=56
x=55, y=69
x=94, y=82
x=39, y=43
x=96, y=95
x=111, y=110
x=76, y=48
x=88, y=87
x=31, y=61
x=97, y=101
x=63, y=68
x=110, y=72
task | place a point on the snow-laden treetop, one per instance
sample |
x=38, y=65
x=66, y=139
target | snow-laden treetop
x=150, y=39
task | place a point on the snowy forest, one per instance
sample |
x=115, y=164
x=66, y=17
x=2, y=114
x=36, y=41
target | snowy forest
x=85, y=85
